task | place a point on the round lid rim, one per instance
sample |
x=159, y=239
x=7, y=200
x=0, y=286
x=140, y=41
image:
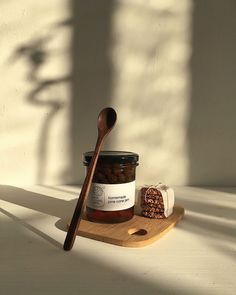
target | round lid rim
x=116, y=155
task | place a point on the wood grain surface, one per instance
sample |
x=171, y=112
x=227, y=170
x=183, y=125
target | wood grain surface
x=137, y=232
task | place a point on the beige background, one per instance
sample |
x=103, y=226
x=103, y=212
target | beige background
x=169, y=71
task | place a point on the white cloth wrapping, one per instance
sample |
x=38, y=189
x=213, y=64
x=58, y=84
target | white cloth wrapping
x=167, y=195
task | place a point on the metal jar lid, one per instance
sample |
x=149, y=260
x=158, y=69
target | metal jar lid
x=110, y=157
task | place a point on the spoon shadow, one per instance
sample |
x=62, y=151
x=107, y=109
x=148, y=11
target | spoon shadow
x=31, y=228
x=45, y=204
x=35, y=201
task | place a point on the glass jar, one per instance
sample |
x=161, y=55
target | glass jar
x=112, y=195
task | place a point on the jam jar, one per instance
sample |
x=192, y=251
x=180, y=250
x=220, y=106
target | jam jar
x=112, y=194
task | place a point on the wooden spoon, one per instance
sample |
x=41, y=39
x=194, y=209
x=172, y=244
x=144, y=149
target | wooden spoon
x=106, y=121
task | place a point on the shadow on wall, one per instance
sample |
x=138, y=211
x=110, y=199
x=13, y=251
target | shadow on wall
x=211, y=130
x=91, y=76
x=43, y=93
x=212, y=126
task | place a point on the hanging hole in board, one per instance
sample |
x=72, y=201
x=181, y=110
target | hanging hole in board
x=137, y=231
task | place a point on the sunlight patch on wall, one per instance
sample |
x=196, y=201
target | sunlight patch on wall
x=150, y=53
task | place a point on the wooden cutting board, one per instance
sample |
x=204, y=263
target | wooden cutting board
x=137, y=232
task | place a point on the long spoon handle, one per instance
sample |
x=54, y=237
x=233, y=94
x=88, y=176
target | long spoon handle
x=72, y=231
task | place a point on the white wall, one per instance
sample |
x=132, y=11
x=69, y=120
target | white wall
x=63, y=61
x=151, y=53
x=143, y=66
x=34, y=92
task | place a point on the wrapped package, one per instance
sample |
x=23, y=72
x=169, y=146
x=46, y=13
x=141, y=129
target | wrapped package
x=157, y=201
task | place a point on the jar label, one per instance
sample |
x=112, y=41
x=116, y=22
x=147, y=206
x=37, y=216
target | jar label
x=111, y=197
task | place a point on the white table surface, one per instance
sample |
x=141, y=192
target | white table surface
x=196, y=257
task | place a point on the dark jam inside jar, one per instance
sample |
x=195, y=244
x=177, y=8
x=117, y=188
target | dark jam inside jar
x=112, y=195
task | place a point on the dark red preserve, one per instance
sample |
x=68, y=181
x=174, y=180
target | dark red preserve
x=112, y=194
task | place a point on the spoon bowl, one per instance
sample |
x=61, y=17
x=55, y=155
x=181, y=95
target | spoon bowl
x=106, y=120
